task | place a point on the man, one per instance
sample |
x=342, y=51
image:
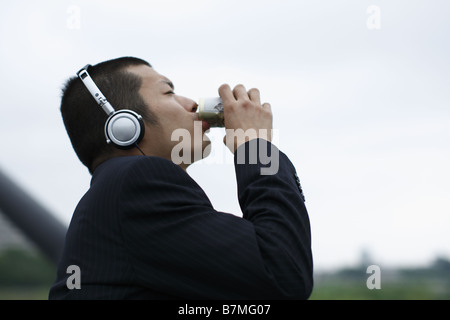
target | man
x=146, y=230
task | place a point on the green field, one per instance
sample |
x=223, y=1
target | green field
x=429, y=283
x=399, y=290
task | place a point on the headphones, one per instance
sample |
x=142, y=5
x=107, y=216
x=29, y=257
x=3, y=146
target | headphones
x=124, y=128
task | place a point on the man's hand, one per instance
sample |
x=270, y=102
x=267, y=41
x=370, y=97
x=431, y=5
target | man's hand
x=245, y=117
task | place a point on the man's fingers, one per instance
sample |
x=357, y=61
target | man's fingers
x=267, y=107
x=240, y=93
x=226, y=94
x=254, y=96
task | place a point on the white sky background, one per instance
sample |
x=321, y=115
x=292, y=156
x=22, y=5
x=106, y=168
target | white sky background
x=363, y=114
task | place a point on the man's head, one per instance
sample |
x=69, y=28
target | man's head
x=127, y=83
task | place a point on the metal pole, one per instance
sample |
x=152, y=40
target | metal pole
x=38, y=224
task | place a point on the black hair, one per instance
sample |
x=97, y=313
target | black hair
x=84, y=119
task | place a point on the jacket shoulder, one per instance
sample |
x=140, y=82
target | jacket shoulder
x=126, y=165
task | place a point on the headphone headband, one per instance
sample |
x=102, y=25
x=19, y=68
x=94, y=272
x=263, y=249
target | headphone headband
x=124, y=128
x=94, y=90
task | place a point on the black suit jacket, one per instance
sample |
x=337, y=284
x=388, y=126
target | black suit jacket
x=146, y=230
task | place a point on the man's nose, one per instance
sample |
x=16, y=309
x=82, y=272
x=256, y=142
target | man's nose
x=189, y=104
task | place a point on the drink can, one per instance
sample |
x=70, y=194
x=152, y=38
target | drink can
x=211, y=110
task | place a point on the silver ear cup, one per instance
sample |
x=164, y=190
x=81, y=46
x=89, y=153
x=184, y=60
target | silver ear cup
x=124, y=129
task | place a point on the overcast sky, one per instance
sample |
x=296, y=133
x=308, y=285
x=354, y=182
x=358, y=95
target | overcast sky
x=359, y=91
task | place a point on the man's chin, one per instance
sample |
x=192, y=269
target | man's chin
x=188, y=151
x=206, y=147
x=199, y=154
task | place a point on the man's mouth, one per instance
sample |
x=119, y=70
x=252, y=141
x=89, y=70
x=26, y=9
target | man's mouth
x=205, y=125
